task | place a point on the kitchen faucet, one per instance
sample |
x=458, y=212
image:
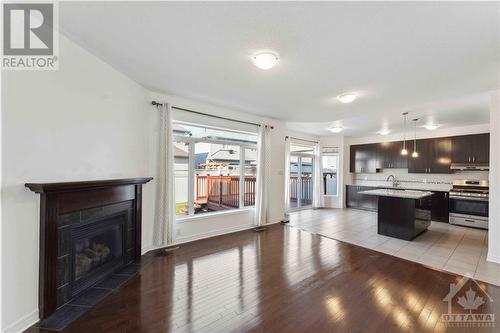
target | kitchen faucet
x=395, y=182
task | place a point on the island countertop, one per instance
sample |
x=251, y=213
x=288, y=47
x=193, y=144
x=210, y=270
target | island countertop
x=405, y=194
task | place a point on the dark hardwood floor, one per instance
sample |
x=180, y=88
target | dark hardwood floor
x=279, y=280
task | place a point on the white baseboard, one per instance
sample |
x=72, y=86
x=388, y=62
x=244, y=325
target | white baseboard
x=23, y=323
x=220, y=232
x=214, y=233
x=493, y=258
x=275, y=220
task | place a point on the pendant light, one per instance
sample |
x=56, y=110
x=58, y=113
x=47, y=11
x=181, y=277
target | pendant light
x=415, y=153
x=404, y=151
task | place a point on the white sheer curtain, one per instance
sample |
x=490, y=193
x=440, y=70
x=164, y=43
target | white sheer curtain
x=165, y=195
x=263, y=175
x=287, y=179
x=318, y=186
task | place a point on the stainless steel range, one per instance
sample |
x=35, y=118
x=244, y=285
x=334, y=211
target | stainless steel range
x=469, y=203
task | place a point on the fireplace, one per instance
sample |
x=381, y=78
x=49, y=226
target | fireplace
x=90, y=232
x=98, y=249
x=93, y=243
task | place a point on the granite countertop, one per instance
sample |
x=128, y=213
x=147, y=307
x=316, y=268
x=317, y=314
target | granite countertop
x=406, y=186
x=406, y=194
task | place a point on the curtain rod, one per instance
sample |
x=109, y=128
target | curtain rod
x=291, y=137
x=211, y=115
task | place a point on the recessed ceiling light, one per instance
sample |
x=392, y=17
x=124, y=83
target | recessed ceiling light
x=346, y=98
x=336, y=129
x=431, y=127
x=265, y=59
x=384, y=132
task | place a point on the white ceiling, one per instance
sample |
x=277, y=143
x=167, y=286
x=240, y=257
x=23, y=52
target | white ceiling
x=432, y=58
x=469, y=110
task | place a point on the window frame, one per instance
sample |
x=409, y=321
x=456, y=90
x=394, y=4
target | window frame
x=190, y=141
x=337, y=155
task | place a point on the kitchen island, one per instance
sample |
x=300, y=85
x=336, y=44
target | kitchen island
x=402, y=214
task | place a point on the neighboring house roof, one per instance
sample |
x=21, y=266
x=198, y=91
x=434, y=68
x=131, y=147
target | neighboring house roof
x=179, y=153
x=177, y=129
x=200, y=158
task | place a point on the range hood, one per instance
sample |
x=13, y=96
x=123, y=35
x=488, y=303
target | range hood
x=469, y=166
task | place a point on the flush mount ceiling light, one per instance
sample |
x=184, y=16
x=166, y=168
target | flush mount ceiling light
x=336, y=129
x=265, y=59
x=431, y=127
x=384, y=132
x=346, y=98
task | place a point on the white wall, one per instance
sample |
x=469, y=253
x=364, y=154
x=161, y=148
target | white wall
x=494, y=214
x=206, y=226
x=85, y=121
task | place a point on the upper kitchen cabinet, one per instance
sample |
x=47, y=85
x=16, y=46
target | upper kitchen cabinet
x=363, y=158
x=462, y=149
x=434, y=156
x=389, y=156
x=440, y=155
x=481, y=148
x=419, y=164
x=470, y=150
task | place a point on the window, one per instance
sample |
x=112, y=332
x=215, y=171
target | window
x=215, y=169
x=330, y=175
x=181, y=172
x=250, y=176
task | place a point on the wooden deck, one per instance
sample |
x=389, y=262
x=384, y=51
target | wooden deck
x=279, y=280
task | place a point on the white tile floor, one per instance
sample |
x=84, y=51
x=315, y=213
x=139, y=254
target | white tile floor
x=451, y=248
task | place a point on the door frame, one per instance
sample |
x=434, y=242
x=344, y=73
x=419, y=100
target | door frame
x=299, y=180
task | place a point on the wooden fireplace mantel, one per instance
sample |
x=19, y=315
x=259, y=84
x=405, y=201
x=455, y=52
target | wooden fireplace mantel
x=57, y=199
x=72, y=186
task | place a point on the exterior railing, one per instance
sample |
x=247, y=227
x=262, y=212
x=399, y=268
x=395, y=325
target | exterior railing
x=224, y=191
x=307, y=189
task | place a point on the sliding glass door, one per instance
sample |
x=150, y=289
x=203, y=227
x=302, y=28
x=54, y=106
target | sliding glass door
x=301, y=177
x=306, y=181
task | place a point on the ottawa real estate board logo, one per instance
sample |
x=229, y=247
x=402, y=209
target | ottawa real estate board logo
x=469, y=305
x=30, y=38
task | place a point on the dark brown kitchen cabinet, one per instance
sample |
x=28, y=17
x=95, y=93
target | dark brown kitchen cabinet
x=363, y=158
x=354, y=199
x=481, y=148
x=440, y=207
x=419, y=164
x=440, y=155
x=462, y=149
x=434, y=156
x=389, y=155
x=470, y=149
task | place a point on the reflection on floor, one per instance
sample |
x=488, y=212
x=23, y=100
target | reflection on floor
x=282, y=279
x=452, y=248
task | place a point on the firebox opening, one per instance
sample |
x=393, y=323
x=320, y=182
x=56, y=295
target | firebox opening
x=98, y=250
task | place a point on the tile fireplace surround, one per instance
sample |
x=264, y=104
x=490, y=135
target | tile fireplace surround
x=90, y=244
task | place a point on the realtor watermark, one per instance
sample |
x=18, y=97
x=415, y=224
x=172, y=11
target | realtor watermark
x=30, y=36
x=468, y=305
